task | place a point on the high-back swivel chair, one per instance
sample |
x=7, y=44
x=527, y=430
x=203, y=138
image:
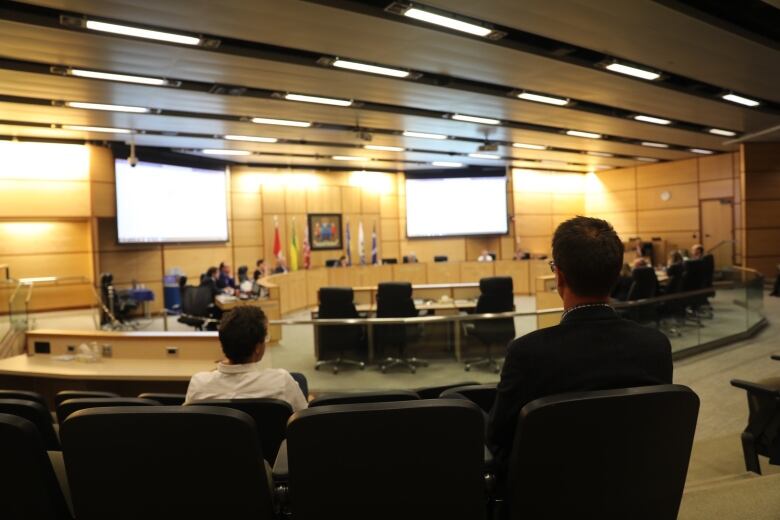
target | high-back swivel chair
x=762, y=433
x=394, y=300
x=496, y=295
x=337, y=303
x=644, y=286
x=195, y=305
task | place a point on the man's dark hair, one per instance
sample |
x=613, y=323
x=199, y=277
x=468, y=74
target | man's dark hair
x=211, y=271
x=589, y=253
x=240, y=331
x=259, y=262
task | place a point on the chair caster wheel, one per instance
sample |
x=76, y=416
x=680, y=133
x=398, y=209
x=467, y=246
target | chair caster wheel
x=362, y=366
x=467, y=368
x=335, y=370
x=383, y=369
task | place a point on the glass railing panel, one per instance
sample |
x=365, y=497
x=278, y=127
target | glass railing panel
x=754, y=296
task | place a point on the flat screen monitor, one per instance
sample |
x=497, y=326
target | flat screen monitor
x=161, y=203
x=456, y=206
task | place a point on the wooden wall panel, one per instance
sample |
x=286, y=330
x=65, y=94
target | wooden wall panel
x=715, y=167
x=667, y=173
x=475, y=271
x=142, y=266
x=721, y=189
x=682, y=196
x=759, y=225
x=103, y=199
x=44, y=199
x=682, y=219
x=194, y=260
x=247, y=233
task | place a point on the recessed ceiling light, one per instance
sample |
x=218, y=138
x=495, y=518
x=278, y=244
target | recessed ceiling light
x=476, y=119
x=539, y=98
x=109, y=76
x=280, y=122
x=382, y=148
x=371, y=69
x=448, y=22
x=485, y=156
x=579, y=133
x=654, y=145
x=702, y=151
x=137, y=32
x=633, y=71
x=603, y=167
x=424, y=135
x=106, y=107
x=217, y=151
x=718, y=131
x=251, y=138
x=646, y=159
x=654, y=120
x=349, y=158
x=318, y=100
x=600, y=154
x=447, y=164
x=529, y=146
x=103, y=129
x=741, y=100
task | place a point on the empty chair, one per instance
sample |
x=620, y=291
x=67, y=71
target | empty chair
x=643, y=286
x=332, y=262
x=365, y=397
x=65, y=408
x=128, y=463
x=496, y=295
x=64, y=395
x=762, y=433
x=337, y=303
x=394, y=300
x=610, y=454
x=433, y=392
x=28, y=485
x=24, y=395
x=389, y=261
x=270, y=416
x=37, y=414
x=165, y=399
x=482, y=395
x=440, y=258
x=196, y=305
x=429, y=465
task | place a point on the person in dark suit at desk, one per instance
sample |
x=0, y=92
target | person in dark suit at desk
x=591, y=349
x=260, y=269
x=225, y=279
x=211, y=279
x=280, y=266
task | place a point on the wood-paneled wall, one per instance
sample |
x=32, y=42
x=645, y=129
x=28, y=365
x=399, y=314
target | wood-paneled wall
x=759, y=221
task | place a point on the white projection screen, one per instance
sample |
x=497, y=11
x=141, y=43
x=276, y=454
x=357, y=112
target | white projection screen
x=456, y=206
x=161, y=203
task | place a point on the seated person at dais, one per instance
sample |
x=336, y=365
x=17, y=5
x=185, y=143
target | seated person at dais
x=591, y=349
x=623, y=285
x=225, y=279
x=280, y=266
x=242, y=333
x=210, y=280
x=260, y=269
x=697, y=252
x=343, y=261
x=485, y=256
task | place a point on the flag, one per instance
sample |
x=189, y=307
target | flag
x=374, y=252
x=277, y=240
x=361, y=244
x=349, y=245
x=293, y=248
x=306, y=248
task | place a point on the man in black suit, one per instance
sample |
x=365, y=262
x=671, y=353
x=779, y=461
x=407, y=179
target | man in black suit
x=591, y=349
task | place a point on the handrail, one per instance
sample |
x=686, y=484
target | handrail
x=720, y=244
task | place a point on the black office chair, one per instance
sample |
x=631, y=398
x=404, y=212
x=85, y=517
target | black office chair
x=644, y=286
x=66, y=408
x=394, y=300
x=28, y=485
x=337, y=303
x=496, y=295
x=332, y=262
x=610, y=454
x=440, y=258
x=482, y=395
x=364, y=397
x=694, y=279
x=433, y=392
x=118, y=302
x=762, y=433
x=64, y=395
x=429, y=465
x=164, y=399
x=270, y=416
x=197, y=304
x=243, y=274
x=24, y=395
x=37, y=414
x=389, y=261
x=175, y=461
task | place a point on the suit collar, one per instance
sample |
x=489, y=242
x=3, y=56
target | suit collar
x=598, y=311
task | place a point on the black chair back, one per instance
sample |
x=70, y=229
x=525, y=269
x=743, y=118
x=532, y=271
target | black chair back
x=349, y=459
x=165, y=399
x=195, y=302
x=179, y=462
x=694, y=275
x=762, y=433
x=70, y=406
x=28, y=486
x=709, y=269
x=675, y=273
x=482, y=395
x=37, y=414
x=333, y=262
x=394, y=300
x=496, y=295
x=64, y=395
x=24, y=395
x=645, y=284
x=440, y=258
x=365, y=397
x=433, y=392
x=270, y=416
x=610, y=454
x=336, y=303
x=389, y=261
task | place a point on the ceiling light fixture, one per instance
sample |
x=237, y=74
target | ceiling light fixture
x=741, y=100
x=448, y=22
x=646, y=159
x=349, y=158
x=106, y=107
x=371, y=69
x=485, y=156
x=280, y=122
x=600, y=154
x=137, y=32
x=218, y=151
x=718, y=131
x=633, y=71
x=110, y=76
x=103, y=129
x=701, y=151
x=651, y=144
x=382, y=148
x=423, y=135
x=539, y=98
x=251, y=138
x=654, y=120
x=528, y=146
x=447, y=164
x=579, y=133
x=318, y=100
x=476, y=119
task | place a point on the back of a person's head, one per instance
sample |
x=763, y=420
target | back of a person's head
x=677, y=257
x=589, y=253
x=240, y=331
x=260, y=262
x=211, y=271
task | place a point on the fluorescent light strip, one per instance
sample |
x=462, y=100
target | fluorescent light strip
x=741, y=100
x=475, y=119
x=718, y=131
x=106, y=107
x=600, y=154
x=528, y=96
x=654, y=120
x=701, y=151
x=633, y=71
x=280, y=122
x=382, y=148
x=371, y=69
x=447, y=164
x=318, y=100
x=108, y=76
x=528, y=146
x=579, y=133
x=137, y=32
x=103, y=129
x=349, y=158
x=423, y=135
x=445, y=21
x=216, y=151
x=251, y=138
x=485, y=156
x=654, y=145
x=646, y=159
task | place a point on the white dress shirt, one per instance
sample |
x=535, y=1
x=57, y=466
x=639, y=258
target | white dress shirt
x=485, y=258
x=245, y=381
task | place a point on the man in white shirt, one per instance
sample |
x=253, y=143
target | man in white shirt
x=242, y=334
x=485, y=256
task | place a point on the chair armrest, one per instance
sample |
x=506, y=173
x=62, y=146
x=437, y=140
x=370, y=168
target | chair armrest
x=281, y=470
x=754, y=388
x=489, y=461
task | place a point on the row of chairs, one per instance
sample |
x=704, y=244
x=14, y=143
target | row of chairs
x=399, y=459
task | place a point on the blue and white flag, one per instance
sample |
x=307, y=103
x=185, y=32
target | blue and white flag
x=374, y=255
x=361, y=244
x=349, y=246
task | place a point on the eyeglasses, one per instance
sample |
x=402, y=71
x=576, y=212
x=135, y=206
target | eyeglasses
x=552, y=265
